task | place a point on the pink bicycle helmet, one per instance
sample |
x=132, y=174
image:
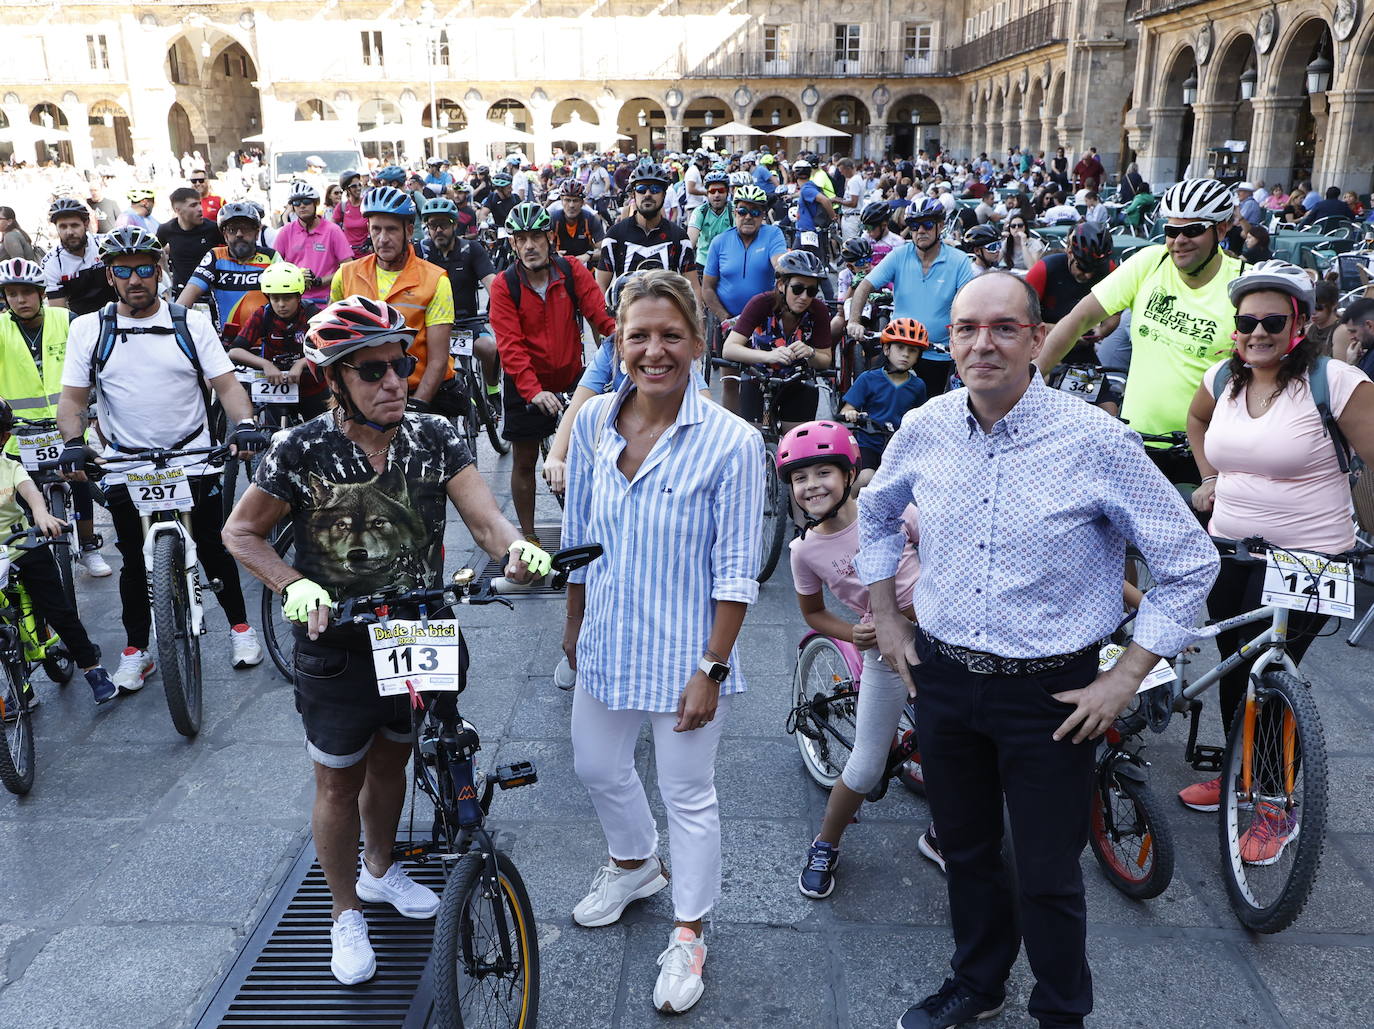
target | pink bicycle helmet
x=817, y=443
x=351, y=324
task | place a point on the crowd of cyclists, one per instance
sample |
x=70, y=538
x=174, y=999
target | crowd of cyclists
x=140, y=334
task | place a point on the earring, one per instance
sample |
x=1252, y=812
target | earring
x=624, y=370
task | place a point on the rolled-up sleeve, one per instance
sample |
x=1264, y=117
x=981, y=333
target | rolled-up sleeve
x=738, y=506
x=577, y=504
x=1149, y=512
x=881, y=535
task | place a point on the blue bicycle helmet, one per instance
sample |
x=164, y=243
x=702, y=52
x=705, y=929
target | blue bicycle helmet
x=440, y=206
x=392, y=173
x=388, y=200
x=717, y=178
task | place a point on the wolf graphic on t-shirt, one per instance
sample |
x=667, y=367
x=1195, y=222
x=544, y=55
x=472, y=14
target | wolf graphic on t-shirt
x=369, y=535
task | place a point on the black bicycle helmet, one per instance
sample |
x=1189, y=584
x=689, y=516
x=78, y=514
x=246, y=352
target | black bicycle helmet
x=800, y=262
x=348, y=177
x=128, y=240
x=646, y=171
x=981, y=236
x=6, y=416
x=858, y=249
x=876, y=213
x=528, y=217
x=1090, y=243
x=63, y=206
x=239, y=210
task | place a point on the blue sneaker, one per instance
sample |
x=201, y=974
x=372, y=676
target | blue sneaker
x=101, y=684
x=817, y=879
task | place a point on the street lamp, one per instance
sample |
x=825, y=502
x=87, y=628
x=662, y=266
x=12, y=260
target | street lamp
x=1318, y=75
x=643, y=118
x=1190, y=89
x=709, y=118
x=776, y=117
x=426, y=20
x=844, y=115
x=1248, y=78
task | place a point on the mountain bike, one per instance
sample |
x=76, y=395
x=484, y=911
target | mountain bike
x=777, y=505
x=480, y=413
x=162, y=495
x=40, y=441
x=485, y=962
x=25, y=643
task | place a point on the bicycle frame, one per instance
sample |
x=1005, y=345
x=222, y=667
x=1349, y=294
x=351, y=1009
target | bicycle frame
x=1271, y=642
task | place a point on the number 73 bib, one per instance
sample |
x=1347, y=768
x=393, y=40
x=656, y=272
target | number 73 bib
x=427, y=656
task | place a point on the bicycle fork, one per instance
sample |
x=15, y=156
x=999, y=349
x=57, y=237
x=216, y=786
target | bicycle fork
x=181, y=527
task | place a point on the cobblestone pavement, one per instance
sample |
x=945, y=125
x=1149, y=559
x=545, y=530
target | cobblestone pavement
x=133, y=873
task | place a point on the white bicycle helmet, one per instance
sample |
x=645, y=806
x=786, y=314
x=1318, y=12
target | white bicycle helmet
x=1204, y=200
x=18, y=272
x=1274, y=275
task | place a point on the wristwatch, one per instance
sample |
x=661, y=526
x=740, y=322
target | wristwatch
x=716, y=670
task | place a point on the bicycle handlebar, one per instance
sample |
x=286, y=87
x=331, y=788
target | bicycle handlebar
x=38, y=539
x=1245, y=550
x=215, y=455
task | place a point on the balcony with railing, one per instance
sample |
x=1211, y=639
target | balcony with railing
x=829, y=63
x=1045, y=27
x=1154, y=8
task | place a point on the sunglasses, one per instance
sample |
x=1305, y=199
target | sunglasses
x=927, y=224
x=375, y=371
x=797, y=289
x=125, y=272
x=748, y=212
x=1273, y=323
x=654, y=189
x=1192, y=230
x=716, y=192
x=193, y=181
x=993, y=247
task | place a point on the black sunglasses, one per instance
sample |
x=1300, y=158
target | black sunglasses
x=748, y=212
x=797, y=289
x=645, y=188
x=197, y=180
x=375, y=371
x=928, y=223
x=1273, y=323
x=128, y=271
x=1192, y=230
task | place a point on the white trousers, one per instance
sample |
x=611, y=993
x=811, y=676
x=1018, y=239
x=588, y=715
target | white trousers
x=604, y=758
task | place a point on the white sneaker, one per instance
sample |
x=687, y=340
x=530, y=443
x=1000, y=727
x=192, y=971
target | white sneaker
x=615, y=888
x=679, y=984
x=243, y=644
x=410, y=898
x=94, y=563
x=354, y=960
x=134, y=667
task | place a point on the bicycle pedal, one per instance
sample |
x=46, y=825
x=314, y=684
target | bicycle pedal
x=521, y=773
x=1207, y=759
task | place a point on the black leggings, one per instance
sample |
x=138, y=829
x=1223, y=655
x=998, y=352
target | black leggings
x=1237, y=590
x=206, y=525
x=38, y=569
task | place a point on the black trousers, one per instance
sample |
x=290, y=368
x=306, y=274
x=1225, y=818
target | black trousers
x=206, y=524
x=38, y=569
x=1236, y=591
x=984, y=737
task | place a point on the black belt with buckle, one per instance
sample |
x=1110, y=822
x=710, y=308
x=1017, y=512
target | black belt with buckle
x=982, y=663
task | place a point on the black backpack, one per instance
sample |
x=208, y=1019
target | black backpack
x=564, y=268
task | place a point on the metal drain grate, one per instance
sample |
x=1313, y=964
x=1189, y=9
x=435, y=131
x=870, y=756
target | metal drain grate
x=550, y=538
x=281, y=978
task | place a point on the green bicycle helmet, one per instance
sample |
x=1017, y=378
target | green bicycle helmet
x=441, y=206
x=528, y=217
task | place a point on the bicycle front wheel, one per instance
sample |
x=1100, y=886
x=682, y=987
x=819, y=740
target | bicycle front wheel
x=827, y=701
x=276, y=630
x=1131, y=837
x=777, y=513
x=66, y=570
x=16, y=748
x=1273, y=803
x=486, y=951
x=178, y=646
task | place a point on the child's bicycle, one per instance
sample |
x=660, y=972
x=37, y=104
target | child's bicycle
x=39, y=440
x=485, y=962
x=25, y=643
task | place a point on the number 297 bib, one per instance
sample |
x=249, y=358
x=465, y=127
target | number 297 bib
x=407, y=655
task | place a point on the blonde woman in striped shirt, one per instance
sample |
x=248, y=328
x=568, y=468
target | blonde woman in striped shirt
x=672, y=486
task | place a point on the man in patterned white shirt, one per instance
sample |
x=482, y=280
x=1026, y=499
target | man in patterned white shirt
x=1026, y=503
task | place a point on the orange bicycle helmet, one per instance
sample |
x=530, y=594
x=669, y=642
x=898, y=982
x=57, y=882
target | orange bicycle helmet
x=906, y=330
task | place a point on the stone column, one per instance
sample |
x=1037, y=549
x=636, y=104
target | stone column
x=673, y=131
x=1159, y=164
x=1211, y=120
x=1101, y=79
x=1347, y=147
x=541, y=124
x=873, y=142
x=1272, y=137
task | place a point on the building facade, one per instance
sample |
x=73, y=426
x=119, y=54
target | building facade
x=92, y=79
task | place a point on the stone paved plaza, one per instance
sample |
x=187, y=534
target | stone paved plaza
x=140, y=863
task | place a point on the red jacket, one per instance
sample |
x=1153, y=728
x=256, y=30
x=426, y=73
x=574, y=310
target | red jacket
x=540, y=344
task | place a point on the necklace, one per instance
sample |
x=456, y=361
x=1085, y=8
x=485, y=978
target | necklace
x=338, y=424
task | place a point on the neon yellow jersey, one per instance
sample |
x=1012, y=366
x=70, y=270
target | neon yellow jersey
x=1177, y=333
x=439, y=311
x=12, y=476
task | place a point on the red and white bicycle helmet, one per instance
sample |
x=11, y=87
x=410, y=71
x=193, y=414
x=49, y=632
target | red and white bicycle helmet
x=18, y=272
x=817, y=443
x=352, y=324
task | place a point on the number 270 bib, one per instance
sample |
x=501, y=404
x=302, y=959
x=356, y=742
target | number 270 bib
x=426, y=656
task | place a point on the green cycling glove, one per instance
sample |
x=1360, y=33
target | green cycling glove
x=303, y=596
x=538, y=561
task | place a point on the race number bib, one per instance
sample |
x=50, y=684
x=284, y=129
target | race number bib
x=425, y=657
x=1301, y=581
x=460, y=345
x=245, y=375
x=162, y=489
x=45, y=446
x=1086, y=383
x=809, y=239
x=265, y=392
x=1161, y=673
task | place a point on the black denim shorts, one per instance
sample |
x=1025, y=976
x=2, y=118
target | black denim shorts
x=336, y=695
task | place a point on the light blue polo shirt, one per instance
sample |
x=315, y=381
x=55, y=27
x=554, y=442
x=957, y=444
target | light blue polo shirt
x=916, y=293
x=743, y=274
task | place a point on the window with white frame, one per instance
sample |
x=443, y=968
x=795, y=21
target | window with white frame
x=99, y=52
x=847, y=42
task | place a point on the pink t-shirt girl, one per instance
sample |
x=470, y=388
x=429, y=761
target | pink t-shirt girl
x=1277, y=475
x=829, y=560
x=354, y=225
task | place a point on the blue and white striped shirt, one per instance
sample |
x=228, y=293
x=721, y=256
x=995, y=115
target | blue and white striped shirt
x=683, y=535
